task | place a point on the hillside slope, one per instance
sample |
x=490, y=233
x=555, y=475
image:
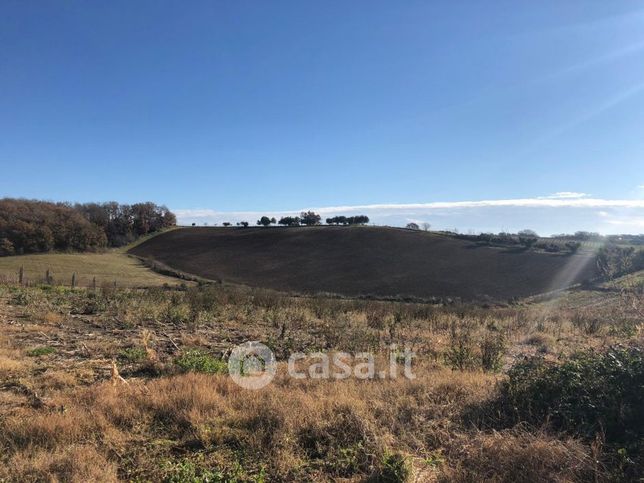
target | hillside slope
x=355, y=261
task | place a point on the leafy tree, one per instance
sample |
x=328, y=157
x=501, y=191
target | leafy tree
x=289, y=221
x=527, y=241
x=309, y=218
x=6, y=247
x=358, y=220
x=265, y=221
x=226, y=223
x=29, y=226
x=337, y=220
x=528, y=238
x=243, y=224
x=124, y=223
x=351, y=220
x=412, y=226
x=613, y=261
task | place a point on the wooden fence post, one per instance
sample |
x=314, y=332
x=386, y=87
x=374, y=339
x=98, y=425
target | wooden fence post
x=21, y=274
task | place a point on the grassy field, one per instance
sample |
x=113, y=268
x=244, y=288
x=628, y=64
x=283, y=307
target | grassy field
x=499, y=393
x=365, y=261
x=107, y=268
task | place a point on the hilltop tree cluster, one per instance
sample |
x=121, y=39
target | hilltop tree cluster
x=29, y=226
x=266, y=221
x=348, y=220
x=123, y=223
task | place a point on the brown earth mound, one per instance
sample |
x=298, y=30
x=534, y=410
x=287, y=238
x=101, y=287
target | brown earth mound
x=364, y=261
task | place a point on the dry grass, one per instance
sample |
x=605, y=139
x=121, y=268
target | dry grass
x=293, y=430
x=61, y=418
x=11, y=367
x=107, y=267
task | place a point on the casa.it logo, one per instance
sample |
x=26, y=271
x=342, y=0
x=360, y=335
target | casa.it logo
x=252, y=365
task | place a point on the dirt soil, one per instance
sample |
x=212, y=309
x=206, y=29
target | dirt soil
x=364, y=261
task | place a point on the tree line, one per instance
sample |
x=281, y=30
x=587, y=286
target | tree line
x=307, y=218
x=31, y=226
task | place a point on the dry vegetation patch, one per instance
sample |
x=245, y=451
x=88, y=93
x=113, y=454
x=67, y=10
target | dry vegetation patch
x=65, y=416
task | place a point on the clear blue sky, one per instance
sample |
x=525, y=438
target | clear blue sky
x=282, y=105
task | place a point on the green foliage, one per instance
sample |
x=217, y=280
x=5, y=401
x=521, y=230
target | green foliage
x=196, y=360
x=613, y=261
x=289, y=221
x=177, y=314
x=590, y=393
x=460, y=354
x=185, y=471
x=394, y=468
x=133, y=354
x=310, y=218
x=265, y=221
x=22, y=298
x=41, y=351
x=492, y=348
x=348, y=220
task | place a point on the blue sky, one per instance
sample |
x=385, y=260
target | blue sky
x=224, y=110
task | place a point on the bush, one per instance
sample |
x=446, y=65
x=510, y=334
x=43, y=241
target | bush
x=41, y=351
x=394, y=468
x=187, y=471
x=492, y=352
x=133, y=354
x=196, y=360
x=177, y=314
x=591, y=393
x=21, y=298
x=460, y=354
x=543, y=342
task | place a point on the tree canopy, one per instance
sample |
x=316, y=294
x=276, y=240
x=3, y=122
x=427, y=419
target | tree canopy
x=31, y=226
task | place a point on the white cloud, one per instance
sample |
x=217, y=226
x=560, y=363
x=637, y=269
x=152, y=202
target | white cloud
x=562, y=195
x=630, y=222
x=560, y=212
x=518, y=202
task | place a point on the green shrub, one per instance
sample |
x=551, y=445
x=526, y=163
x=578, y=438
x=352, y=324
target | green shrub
x=187, y=471
x=41, y=351
x=492, y=351
x=460, y=353
x=196, y=360
x=177, y=314
x=89, y=303
x=21, y=298
x=591, y=393
x=133, y=354
x=394, y=468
